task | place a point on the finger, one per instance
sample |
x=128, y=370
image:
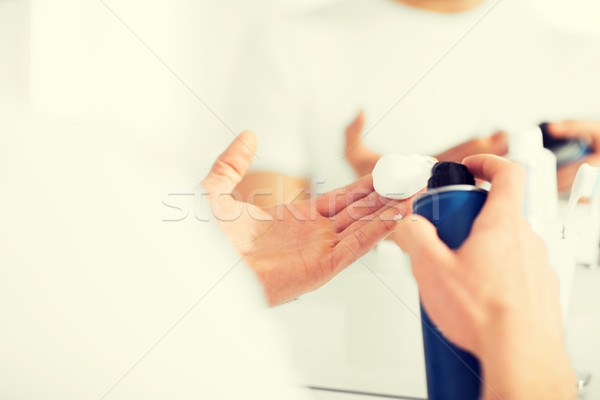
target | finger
x=498, y=144
x=586, y=130
x=329, y=204
x=417, y=237
x=359, y=209
x=354, y=130
x=507, y=179
x=359, y=156
x=385, y=214
x=494, y=144
x=574, y=128
x=232, y=164
x=566, y=173
x=364, y=237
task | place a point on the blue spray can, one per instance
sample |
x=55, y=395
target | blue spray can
x=451, y=204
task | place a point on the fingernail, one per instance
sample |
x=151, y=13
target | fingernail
x=398, y=217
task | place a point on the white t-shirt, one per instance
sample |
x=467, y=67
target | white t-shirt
x=100, y=297
x=426, y=81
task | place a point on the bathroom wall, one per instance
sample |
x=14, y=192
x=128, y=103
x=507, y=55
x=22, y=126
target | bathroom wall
x=579, y=16
x=152, y=67
x=14, y=49
x=82, y=54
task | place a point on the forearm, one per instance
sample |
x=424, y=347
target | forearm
x=521, y=361
x=267, y=188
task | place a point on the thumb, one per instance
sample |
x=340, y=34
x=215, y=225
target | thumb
x=353, y=131
x=419, y=239
x=360, y=158
x=232, y=165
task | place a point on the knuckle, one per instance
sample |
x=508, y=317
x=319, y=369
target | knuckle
x=336, y=259
x=387, y=222
x=224, y=169
x=361, y=238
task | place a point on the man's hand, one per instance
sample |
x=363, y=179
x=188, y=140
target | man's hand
x=579, y=129
x=363, y=160
x=495, y=296
x=296, y=248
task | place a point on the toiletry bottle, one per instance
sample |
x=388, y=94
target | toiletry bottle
x=451, y=204
x=540, y=204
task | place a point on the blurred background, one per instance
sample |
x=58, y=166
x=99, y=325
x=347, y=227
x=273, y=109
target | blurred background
x=161, y=71
x=68, y=58
x=72, y=59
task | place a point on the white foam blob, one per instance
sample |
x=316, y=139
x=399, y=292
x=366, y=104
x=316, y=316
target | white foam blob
x=398, y=176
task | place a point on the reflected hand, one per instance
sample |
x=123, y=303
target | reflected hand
x=296, y=248
x=579, y=129
x=363, y=160
x=359, y=156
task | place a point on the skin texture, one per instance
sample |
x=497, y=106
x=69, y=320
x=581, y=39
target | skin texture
x=495, y=296
x=296, y=248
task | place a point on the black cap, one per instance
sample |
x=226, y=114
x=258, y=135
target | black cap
x=551, y=142
x=449, y=173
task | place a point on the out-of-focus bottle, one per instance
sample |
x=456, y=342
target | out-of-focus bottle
x=540, y=207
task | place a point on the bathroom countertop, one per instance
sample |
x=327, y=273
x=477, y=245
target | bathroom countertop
x=335, y=395
x=583, y=328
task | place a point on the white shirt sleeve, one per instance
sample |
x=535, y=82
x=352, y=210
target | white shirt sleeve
x=100, y=297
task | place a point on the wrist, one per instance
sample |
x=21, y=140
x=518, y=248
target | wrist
x=522, y=358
